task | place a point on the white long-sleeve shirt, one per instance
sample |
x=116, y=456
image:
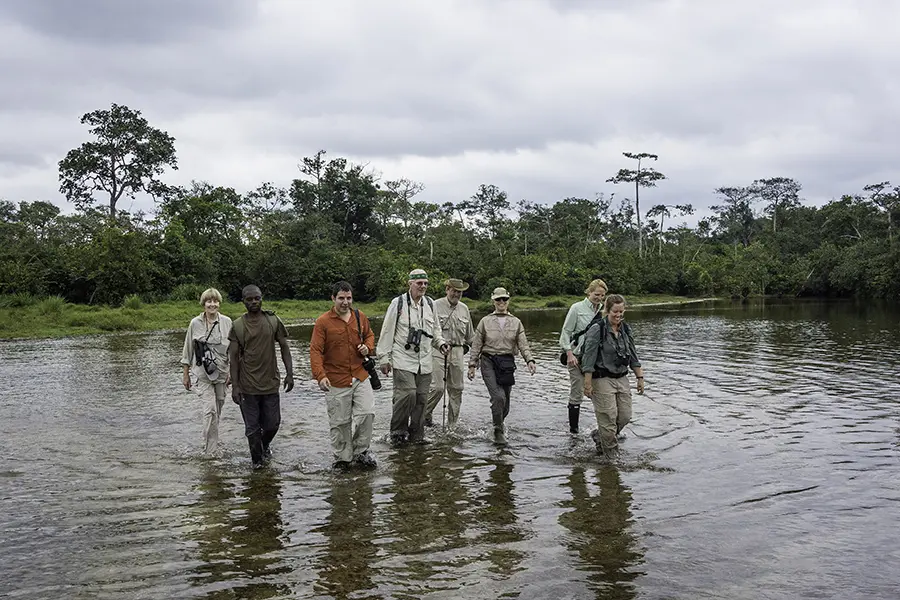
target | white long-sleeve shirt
x=394, y=333
x=579, y=316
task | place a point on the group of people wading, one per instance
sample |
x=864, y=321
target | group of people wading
x=427, y=346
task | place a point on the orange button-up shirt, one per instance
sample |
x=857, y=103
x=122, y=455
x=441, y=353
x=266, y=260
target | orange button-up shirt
x=332, y=350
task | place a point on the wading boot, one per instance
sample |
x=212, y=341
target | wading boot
x=574, y=411
x=499, y=437
x=365, y=460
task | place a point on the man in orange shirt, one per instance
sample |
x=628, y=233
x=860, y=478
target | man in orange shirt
x=341, y=340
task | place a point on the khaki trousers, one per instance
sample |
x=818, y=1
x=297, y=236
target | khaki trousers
x=351, y=412
x=576, y=384
x=213, y=397
x=455, y=371
x=612, y=406
x=410, y=395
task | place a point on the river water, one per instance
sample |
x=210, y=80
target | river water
x=763, y=462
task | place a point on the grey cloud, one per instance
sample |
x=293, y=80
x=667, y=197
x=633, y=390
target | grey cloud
x=716, y=85
x=105, y=22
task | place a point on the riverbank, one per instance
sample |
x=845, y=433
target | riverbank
x=54, y=318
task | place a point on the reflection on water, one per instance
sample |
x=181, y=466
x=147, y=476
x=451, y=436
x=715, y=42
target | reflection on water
x=239, y=530
x=499, y=521
x=761, y=462
x=600, y=540
x=347, y=565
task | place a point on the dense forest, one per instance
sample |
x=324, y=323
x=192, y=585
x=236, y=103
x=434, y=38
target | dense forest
x=340, y=220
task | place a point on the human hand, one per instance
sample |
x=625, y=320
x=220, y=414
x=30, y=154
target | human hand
x=324, y=384
x=363, y=350
x=288, y=382
x=228, y=380
x=471, y=373
x=235, y=396
x=186, y=381
x=532, y=367
x=640, y=385
x=588, y=389
x=573, y=360
x=445, y=349
x=386, y=368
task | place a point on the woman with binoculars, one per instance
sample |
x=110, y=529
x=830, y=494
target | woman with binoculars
x=608, y=353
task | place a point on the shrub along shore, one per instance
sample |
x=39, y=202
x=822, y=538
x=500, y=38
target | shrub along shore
x=31, y=317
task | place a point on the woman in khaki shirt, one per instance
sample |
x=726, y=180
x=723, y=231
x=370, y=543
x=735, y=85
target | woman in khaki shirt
x=498, y=338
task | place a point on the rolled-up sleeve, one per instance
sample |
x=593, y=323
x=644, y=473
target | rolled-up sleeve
x=591, y=347
x=568, y=328
x=386, y=339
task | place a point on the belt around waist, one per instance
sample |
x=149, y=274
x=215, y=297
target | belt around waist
x=605, y=373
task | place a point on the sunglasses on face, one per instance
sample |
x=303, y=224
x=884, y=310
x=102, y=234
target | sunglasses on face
x=501, y=299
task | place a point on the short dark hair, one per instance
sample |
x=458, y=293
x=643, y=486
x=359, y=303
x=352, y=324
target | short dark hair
x=341, y=286
x=249, y=289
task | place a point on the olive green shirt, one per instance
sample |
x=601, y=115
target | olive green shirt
x=603, y=354
x=258, y=363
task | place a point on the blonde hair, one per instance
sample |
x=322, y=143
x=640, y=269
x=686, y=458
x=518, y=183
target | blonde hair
x=210, y=294
x=597, y=283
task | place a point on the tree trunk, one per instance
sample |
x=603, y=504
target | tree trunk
x=637, y=210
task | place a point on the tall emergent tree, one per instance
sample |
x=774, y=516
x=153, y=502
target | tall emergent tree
x=127, y=157
x=778, y=194
x=662, y=211
x=641, y=177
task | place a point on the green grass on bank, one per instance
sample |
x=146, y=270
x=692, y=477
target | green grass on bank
x=23, y=316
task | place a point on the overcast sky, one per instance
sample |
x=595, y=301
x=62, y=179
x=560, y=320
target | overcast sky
x=539, y=97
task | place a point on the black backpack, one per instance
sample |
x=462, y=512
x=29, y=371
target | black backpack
x=598, y=318
x=400, y=305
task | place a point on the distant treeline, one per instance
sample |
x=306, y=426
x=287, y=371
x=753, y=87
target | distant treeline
x=337, y=220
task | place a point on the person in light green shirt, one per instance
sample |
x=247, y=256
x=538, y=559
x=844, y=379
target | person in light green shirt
x=578, y=318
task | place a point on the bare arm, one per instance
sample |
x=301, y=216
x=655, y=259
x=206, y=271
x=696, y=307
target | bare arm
x=234, y=367
x=285, y=357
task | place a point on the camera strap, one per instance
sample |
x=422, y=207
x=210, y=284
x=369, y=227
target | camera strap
x=359, y=326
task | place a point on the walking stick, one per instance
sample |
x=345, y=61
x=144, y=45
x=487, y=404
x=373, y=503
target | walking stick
x=444, y=393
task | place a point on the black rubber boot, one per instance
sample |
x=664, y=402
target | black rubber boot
x=574, y=411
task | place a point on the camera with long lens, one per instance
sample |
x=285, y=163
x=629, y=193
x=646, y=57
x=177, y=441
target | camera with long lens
x=414, y=339
x=369, y=366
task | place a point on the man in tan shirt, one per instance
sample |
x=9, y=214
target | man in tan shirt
x=448, y=371
x=341, y=340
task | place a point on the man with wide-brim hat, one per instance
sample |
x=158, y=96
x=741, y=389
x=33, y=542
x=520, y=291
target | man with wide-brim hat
x=409, y=334
x=449, y=370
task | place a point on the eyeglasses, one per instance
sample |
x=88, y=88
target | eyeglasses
x=421, y=283
x=501, y=299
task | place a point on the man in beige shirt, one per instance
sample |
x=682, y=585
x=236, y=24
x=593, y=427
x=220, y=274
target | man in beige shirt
x=448, y=371
x=410, y=333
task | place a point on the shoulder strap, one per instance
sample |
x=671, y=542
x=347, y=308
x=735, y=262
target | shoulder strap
x=272, y=319
x=238, y=326
x=598, y=318
x=399, y=309
x=430, y=302
x=358, y=325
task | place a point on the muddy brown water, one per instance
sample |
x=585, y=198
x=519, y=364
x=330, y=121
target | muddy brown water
x=763, y=462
